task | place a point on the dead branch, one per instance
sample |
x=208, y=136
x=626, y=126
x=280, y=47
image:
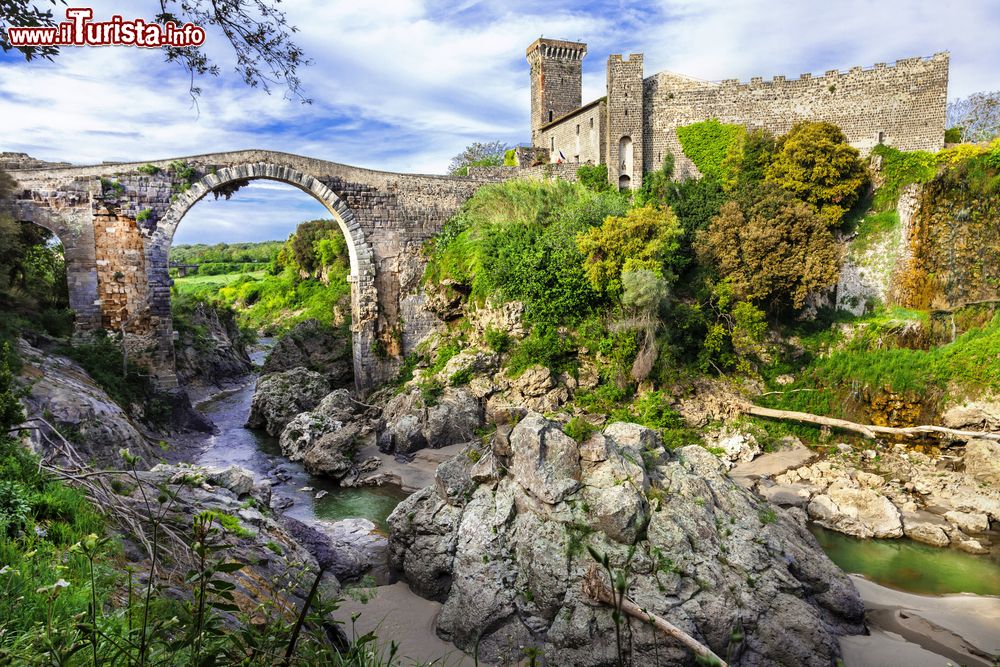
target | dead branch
x=595, y=589
x=870, y=431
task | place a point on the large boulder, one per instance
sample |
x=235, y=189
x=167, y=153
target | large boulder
x=982, y=461
x=983, y=414
x=61, y=392
x=317, y=347
x=509, y=561
x=411, y=421
x=305, y=429
x=279, y=397
x=333, y=453
x=862, y=512
x=546, y=461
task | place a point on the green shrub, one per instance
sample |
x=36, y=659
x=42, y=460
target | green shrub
x=579, y=429
x=460, y=377
x=510, y=157
x=544, y=346
x=517, y=240
x=143, y=215
x=15, y=507
x=707, y=144
x=645, y=238
x=498, y=340
x=953, y=135
x=149, y=169
x=594, y=177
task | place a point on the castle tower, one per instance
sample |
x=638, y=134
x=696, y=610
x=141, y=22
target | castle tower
x=625, y=121
x=556, y=80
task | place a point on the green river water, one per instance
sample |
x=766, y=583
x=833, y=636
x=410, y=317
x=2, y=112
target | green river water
x=910, y=566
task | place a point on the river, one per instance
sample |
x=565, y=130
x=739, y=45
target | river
x=924, y=576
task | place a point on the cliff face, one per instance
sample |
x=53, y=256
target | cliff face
x=954, y=242
x=61, y=392
x=210, y=350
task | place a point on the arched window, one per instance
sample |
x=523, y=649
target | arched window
x=624, y=182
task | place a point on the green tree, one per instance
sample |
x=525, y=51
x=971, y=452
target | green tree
x=302, y=243
x=816, y=164
x=645, y=238
x=775, y=253
x=478, y=154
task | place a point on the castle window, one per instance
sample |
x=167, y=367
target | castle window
x=881, y=137
x=553, y=144
x=624, y=182
x=578, y=128
x=550, y=116
x=592, y=123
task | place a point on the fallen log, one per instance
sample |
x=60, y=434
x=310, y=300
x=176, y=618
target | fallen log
x=870, y=431
x=595, y=588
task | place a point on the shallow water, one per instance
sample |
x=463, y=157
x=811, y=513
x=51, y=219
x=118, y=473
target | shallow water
x=234, y=444
x=910, y=566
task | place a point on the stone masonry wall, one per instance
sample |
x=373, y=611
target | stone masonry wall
x=580, y=136
x=902, y=105
x=625, y=118
x=556, y=80
x=123, y=287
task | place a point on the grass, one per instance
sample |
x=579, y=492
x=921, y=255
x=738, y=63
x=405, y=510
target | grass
x=271, y=303
x=196, y=284
x=961, y=368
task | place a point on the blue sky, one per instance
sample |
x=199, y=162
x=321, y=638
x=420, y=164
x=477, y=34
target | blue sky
x=403, y=85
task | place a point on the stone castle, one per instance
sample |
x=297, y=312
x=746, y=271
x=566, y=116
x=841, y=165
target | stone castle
x=634, y=126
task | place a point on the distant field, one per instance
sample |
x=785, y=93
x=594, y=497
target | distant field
x=198, y=283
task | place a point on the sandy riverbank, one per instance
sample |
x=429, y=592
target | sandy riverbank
x=924, y=631
x=399, y=614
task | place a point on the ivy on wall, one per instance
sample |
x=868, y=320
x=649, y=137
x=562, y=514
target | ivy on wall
x=707, y=143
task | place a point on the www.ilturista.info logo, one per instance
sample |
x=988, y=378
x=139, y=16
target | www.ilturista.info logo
x=79, y=30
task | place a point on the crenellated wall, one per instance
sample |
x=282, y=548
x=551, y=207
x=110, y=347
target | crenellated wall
x=902, y=105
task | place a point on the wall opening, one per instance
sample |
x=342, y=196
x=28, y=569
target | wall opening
x=33, y=277
x=624, y=182
x=625, y=157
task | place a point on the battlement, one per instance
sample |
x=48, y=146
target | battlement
x=556, y=48
x=918, y=62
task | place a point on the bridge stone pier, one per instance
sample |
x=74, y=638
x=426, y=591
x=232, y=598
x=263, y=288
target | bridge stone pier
x=117, y=220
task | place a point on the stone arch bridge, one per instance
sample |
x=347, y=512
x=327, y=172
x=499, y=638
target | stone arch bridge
x=117, y=220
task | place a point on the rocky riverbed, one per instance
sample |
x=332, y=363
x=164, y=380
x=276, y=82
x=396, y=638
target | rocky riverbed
x=493, y=533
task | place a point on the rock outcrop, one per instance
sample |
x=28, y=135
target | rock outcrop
x=316, y=347
x=60, y=391
x=898, y=491
x=279, y=397
x=411, y=421
x=502, y=539
x=210, y=350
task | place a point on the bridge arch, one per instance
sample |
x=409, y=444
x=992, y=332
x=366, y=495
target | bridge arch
x=364, y=294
